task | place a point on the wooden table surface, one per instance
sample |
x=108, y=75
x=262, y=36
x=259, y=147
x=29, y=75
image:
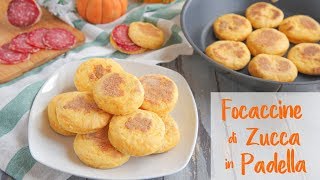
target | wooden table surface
x=202, y=79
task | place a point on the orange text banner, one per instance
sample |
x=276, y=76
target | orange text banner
x=265, y=136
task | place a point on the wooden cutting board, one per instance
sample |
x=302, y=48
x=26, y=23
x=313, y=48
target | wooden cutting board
x=7, y=32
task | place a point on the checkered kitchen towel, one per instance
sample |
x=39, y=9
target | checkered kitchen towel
x=16, y=96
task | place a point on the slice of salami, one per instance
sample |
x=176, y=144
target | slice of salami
x=59, y=39
x=120, y=35
x=23, y=13
x=19, y=43
x=8, y=56
x=129, y=47
x=35, y=38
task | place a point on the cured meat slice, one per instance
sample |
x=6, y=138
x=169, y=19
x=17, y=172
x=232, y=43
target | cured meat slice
x=23, y=13
x=129, y=48
x=8, y=56
x=19, y=43
x=120, y=35
x=35, y=38
x=59, y=39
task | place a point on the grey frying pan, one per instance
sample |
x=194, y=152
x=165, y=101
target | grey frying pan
x=198, y=15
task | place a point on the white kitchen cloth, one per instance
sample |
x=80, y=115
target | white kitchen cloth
x=17, y=95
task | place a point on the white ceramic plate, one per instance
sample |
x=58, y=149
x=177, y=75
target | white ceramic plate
x=56, y=151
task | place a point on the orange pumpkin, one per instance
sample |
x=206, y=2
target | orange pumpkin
x=101, y=11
